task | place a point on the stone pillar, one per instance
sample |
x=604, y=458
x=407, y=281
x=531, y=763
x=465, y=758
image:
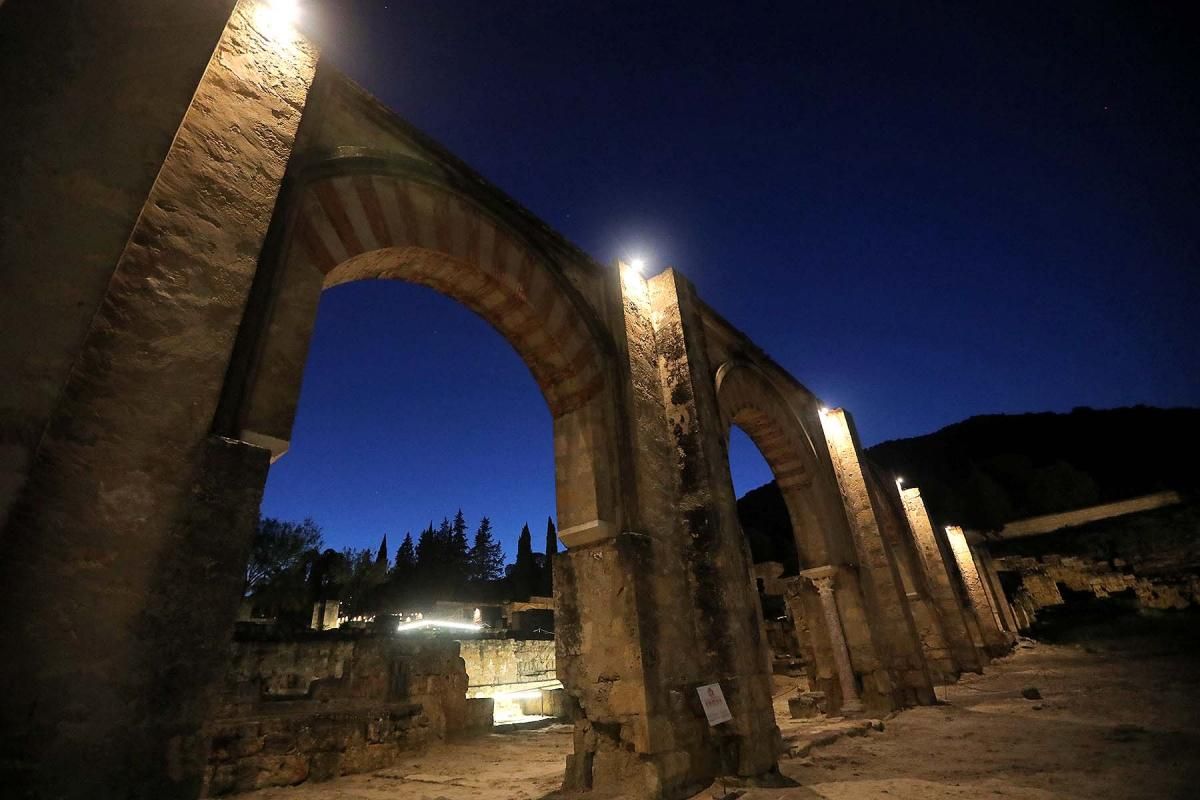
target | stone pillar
x=994, y=640
x=891, y=620
x=818, y=659
x=716, y=553
x=987, y=568
x=822, y=580
x=663, y=604
x=126, y=549
x=92, y=96
x=944, y=597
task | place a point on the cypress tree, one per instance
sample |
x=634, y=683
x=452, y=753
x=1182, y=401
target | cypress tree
x=443, y=570
x=551, y=550
x=427, y=550
x=525, y=572
x=459, y=550
x=406, y=557
x=486, y=556
x=424, y=576
x=403, y=574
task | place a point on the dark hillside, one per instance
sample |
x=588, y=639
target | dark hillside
x=989, y=470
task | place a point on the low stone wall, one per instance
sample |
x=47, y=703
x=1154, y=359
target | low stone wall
x=330, y=705
x=1152, y=557
x=496, y=666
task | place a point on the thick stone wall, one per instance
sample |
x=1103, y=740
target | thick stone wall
x=311, y=710
x=943, y=595
x=723, y=595
x=897, y=536
x=93, y=95
x=891, y=625
x=1152, y=556
x=507, y=665
x=987, y=620
x=134, y=524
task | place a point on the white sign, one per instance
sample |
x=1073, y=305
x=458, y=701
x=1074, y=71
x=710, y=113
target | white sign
x=713, y=700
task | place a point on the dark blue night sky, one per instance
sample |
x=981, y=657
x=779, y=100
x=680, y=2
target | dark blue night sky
x=924, y=211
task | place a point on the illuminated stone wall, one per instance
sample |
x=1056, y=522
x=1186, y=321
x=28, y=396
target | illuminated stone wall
x=326, y=705
x=1150, y=557
x=893, y=525
x=134, y=524
x=942, y=592
x=892, y=625
x=986, y=618
x=507, y=665
x=91, y=105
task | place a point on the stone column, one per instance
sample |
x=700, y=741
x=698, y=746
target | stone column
x=994, y=639
x=891, y=620
x=822, y=579
x=944, y=597
x=715, y=551
x=126, y=550
x=983, y=560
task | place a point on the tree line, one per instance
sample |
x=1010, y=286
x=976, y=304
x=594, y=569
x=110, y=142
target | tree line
x=290, y=569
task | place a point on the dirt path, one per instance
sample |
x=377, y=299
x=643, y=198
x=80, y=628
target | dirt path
x=1110, y=725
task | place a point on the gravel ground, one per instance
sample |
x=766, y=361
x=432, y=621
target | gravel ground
x=1111, y=723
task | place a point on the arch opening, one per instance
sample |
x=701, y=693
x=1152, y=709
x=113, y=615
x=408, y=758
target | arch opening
x=346, y=225
x=749, y=400
x=350, y=227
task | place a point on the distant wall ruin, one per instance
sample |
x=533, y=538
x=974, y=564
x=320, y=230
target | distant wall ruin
x=330, y=704
x=1143, y=551
x=499, y=666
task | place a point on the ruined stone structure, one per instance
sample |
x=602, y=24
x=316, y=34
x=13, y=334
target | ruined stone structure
x=498, y=666
x=1145, y=550
x=329, y=705
x=159, y=286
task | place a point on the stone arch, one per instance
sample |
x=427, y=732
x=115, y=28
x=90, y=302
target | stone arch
x=747, y=398
x=356, y=218
x=356, y=226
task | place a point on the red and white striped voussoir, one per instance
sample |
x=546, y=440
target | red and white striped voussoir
x=764, y=417
x=346, y=226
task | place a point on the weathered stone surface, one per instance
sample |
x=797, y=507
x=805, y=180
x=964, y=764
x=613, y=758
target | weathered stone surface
x=806, y=705
x=507, y=665
x=329, y=705
x=134, y=522
x=1151, y=557
x=942, y=592
x=988, y=621
x=135, y=596
x=894, y=631
x=71, y=200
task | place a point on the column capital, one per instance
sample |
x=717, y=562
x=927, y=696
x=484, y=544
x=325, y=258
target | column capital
x=823, y=585
x=827, y=571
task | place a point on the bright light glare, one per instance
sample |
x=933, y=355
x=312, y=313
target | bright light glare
x=823, y=411
x=529, y=694
x=638, y=265
x=437, y=623
x=284, y=12
x=899, y=481
x=277, y=18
